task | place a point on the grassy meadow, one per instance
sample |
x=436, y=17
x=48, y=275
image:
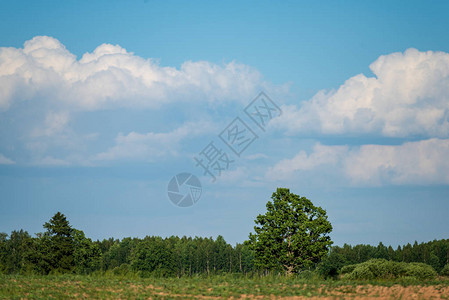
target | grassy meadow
x=215, y=287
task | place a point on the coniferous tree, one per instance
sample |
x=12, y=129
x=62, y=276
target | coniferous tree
x=61, y=244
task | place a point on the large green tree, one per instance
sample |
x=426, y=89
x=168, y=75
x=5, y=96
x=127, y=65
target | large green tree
x=292, y=235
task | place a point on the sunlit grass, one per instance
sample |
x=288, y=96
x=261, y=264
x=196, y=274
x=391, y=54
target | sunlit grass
x=107, y=287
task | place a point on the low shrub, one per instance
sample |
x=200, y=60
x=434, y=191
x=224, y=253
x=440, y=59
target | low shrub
x=347, y=269
x=420, y=271
x=362, y=271
x=385, y=269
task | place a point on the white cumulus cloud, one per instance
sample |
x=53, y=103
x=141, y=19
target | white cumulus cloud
x=321, y=155
x=49, y=98
x=420, y=162
x=409, y=96
x=111, y=76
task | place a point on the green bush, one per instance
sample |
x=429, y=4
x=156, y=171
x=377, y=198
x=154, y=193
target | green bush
x=347, y=269
x=398, y=269
x=362, y=271
x=445, y=270
x=420, y=271
x=375, y=268
x=384, y=269
x=381, y=268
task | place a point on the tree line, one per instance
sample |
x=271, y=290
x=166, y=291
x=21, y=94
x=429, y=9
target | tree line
x=292, y=236
x=63, y=249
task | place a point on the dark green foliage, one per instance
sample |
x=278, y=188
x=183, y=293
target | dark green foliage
x=331, y=265
x=43, y=258
x=153, y=256
x=3, y=253
x=433, y=261
x=16, y=252
x=61, y=248
x=387, y=269
x=292, y=235
x=117, y=253
x=445, y=270
x=87, y=255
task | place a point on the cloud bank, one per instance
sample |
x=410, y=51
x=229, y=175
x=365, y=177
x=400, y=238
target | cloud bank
x=409, y=96
x=110, y=76
x=44, y=88
x=421, y=162
x=47, y=85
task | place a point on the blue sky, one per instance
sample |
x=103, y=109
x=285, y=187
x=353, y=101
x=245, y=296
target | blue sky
x=102, y=103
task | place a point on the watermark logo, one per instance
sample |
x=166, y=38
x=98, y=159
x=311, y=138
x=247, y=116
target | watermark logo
x=234, y=138
x=184, y=189
x=213, y=160
x=261, y=110
x=238, y=136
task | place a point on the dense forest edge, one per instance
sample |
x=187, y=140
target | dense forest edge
x=292, y=238
x=63, y=249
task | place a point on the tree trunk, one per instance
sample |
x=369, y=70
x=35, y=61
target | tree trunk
x=240, y=256
x=230, y=262
x=289, y=270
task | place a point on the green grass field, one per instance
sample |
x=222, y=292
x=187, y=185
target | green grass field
x=213, y=287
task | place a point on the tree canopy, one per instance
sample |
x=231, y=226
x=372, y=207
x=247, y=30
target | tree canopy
x=292, y=235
